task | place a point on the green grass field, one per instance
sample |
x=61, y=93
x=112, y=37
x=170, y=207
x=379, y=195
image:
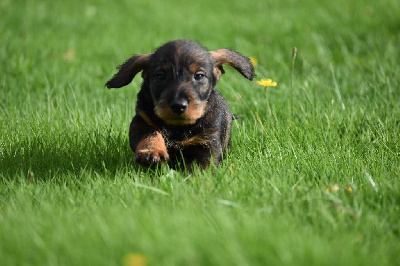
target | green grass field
x=313, y=176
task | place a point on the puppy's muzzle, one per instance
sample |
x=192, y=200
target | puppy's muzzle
x=179, y=106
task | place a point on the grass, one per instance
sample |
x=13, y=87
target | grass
x=70, y=193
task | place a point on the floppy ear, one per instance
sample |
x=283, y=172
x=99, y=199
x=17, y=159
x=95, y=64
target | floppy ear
x=128, y=70
x=233, y=59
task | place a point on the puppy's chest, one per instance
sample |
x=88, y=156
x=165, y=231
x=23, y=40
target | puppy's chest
x=184, y=138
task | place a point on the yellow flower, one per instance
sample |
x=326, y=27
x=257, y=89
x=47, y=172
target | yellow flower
x=134, y=259
x=253, y=61
x=348, y=189
x=267, y=83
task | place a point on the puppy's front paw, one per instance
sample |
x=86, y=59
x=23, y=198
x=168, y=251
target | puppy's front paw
x=148, y=157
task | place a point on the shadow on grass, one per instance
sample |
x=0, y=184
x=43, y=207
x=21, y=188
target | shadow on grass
x=70, y=153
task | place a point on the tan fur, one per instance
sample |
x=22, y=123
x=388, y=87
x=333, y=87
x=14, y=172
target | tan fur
x=194, y=111
x=201, y=139
x=154, y=143
x=194, y=68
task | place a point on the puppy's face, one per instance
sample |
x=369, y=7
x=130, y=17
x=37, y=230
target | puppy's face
x=180, y=76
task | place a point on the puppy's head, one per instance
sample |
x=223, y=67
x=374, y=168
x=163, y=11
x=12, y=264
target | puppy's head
x=180, y=76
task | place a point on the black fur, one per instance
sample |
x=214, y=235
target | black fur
x=179, y=113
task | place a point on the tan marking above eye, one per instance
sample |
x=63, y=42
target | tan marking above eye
x=194, y=68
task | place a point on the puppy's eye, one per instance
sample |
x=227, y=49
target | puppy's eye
x=161, y=76
x=199, y=76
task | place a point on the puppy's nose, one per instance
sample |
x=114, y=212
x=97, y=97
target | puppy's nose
x=179, y=106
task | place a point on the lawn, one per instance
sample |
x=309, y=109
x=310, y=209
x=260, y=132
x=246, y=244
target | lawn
x=313, y=176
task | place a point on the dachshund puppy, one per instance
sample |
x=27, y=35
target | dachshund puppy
x=180, y=116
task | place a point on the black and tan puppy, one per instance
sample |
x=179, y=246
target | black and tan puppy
x=180, y=116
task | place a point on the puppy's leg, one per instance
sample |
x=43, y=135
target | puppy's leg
x=147, y=143
x=201, y=156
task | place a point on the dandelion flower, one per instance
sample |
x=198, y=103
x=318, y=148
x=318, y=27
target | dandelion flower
x=267, y=83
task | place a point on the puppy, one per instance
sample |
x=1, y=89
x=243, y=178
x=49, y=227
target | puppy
x=180, y=116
